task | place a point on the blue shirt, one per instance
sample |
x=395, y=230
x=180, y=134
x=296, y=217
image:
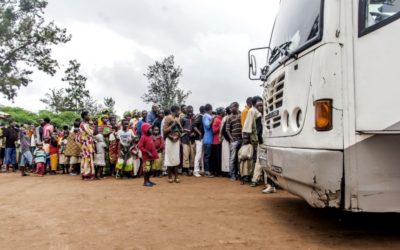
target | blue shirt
x=208, y=134
x=151, y=117
x=139, y=128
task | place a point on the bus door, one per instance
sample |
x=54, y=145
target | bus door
x=377, y=104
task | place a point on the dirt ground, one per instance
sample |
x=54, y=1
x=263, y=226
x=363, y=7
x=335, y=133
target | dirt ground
x=63, y=212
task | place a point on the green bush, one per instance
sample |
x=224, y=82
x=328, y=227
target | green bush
x=22, y=116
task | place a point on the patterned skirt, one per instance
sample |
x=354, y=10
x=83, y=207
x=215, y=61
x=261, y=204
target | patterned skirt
x=125, y=160
x=54, y=162
x=157, y=165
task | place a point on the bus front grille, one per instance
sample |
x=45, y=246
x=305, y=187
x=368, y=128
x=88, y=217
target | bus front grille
x=274, y=101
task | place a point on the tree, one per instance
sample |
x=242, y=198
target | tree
x=181, y=96
x=91, y=105
x=163, y=80
x=56, y=100
x=25, y=43
x=76, y=97
x=76, y=92
x=109, y=103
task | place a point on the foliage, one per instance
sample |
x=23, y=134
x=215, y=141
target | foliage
x=22, y=116
x=76, y=92
x=74, y=98
x=109, y=103
x=91, y=105
x=56, y=100
x=25, y=43
x=163, y=87
x=181, y=96
x=61, y=119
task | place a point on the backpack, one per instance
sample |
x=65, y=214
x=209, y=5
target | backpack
x=245, y=152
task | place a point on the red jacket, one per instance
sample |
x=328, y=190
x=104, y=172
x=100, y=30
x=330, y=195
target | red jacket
x=216, y=126
x=146, y=144
x=159, y=143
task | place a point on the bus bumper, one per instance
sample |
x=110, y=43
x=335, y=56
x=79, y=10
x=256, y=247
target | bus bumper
x=314, y=175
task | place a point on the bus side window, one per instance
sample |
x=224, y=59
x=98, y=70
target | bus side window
x=377, y=13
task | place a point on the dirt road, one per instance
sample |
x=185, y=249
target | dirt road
x=62, y=212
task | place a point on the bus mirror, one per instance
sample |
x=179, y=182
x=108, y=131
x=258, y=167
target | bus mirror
x=256, y=72
x=253, y=65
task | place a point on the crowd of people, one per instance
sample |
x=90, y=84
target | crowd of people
x=163, y=142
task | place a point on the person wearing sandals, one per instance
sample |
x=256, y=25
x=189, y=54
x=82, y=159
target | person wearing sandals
x=172, y=132
x=149, y=153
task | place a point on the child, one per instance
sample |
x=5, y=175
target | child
x=159, y=143
x=99, y=157
x=149, y=153
x=40, y=159
x=26, y=155
x=113, y=150
x=63, y=158
x=73, y=150
x=136, y=156
x=46, y=148
x=125, y=161
x=106, y=136
x=53, y=152
x=245, y=157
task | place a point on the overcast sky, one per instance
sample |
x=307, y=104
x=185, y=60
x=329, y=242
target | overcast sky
x=116, y=40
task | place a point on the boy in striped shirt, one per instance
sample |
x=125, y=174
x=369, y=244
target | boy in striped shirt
x=40, y=159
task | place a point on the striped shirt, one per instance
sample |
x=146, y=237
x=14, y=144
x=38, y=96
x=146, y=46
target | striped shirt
x=40, y=156
x=234, y=126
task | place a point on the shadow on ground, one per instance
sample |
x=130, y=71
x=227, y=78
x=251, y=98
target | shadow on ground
x=325, y=224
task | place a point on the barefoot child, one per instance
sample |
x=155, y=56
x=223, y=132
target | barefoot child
x=53, y=151
x=113, y=150
x=99, y=157
x=64, y=163
x=136, y=156
x=46, y=148
x=40, y=159
x=149, y=153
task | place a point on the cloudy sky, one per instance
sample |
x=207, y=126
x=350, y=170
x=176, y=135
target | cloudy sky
x=116, y=40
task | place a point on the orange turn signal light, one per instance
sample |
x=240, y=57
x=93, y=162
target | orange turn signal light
x=323, y=114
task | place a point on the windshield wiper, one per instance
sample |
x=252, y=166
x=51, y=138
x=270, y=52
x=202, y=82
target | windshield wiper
x=280, y=50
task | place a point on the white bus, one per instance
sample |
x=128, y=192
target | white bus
x=331, y=80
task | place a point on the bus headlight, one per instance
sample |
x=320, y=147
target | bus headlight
x=323, y=114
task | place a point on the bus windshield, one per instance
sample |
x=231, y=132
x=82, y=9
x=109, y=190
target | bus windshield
x=297, y=23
